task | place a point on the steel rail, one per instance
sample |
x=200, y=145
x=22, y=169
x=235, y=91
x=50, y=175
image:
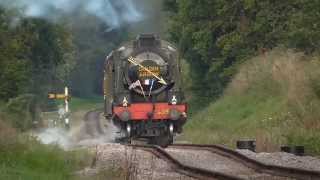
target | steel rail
x=184, y=169
x=290, y=172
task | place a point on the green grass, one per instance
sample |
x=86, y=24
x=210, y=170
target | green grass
x=88, y=103
x=77, y=104
x=24, y=158
x=274, y=107
x=32, y=161
x=234, y=117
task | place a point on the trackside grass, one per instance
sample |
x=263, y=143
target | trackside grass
x=27, y=159
x=24, y=158
x=78, y=104
x=274, y=99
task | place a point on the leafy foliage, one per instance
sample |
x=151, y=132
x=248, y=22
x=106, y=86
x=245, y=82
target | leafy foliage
x=35, y=56
x=32, y=53
x=215, y=36
x=40, y=56
x=22, y=112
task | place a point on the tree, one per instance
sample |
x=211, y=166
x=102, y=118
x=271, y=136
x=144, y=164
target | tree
x=13, y=71
x=215, y=36
x=93, y=43
x=35, y=57
x=50, y=56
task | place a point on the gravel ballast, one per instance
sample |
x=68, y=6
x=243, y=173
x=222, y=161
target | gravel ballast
x=284, y=159
x=214, y=162
x=138, y=164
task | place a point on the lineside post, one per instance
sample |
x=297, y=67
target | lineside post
x=65, y=110
x=66, y=103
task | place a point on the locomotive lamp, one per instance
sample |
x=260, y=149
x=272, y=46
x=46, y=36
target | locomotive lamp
x=128, y=129
x=174, y=100
x=125, y=102
x=171, y=128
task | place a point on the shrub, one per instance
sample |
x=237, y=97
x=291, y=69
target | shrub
x=22, y=112
x=8, y=136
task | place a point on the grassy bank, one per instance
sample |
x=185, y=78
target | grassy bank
x=77, y=104
x=25, y=158
x=274, y=98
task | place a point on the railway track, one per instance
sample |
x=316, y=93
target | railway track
x=277, y=171
x=256, y=167
x=184, y=169
x=92, y=122
x=252, y=166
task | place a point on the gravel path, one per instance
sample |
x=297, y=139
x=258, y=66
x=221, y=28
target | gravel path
x=285, y=159
x=210, y=161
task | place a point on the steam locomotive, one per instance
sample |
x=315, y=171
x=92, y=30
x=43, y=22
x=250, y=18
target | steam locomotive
x=143, y=90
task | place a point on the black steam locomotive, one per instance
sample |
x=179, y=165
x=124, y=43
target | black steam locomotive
x=142, y=90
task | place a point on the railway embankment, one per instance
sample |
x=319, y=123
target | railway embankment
x=274, y=99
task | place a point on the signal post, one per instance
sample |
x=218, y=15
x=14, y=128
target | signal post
x=66, y=96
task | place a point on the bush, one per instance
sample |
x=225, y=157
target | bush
x=22, y=112
x=8, y=136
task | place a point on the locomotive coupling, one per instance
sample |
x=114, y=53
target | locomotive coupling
x=174, y=114
x=125, y=116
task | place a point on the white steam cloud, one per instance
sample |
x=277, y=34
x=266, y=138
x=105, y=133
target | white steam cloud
x=113, y=12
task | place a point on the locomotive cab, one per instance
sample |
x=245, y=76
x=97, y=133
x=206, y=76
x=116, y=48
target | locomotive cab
x=142, y=90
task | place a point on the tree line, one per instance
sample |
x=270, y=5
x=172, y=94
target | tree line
x=34, y=53
x=215, y=36
x=39, y=56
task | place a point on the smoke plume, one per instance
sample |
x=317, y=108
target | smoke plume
x=113, y=12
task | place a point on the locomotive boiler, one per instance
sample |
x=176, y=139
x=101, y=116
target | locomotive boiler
x=143, y=90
